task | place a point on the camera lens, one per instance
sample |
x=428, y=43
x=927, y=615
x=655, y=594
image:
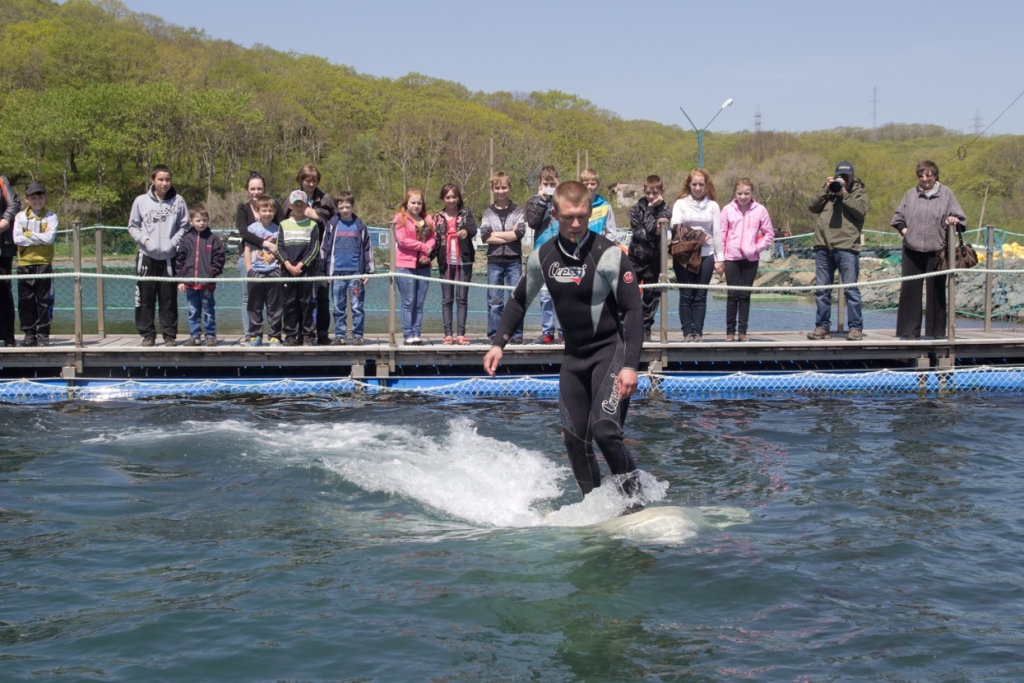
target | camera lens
x=836, y=185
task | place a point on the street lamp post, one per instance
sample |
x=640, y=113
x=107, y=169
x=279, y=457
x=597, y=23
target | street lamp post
x=700, y=131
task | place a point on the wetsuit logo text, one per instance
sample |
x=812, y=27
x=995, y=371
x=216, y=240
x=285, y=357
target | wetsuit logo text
x=566, y=274
x=611, y=405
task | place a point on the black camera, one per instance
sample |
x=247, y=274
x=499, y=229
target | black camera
x=837, y=185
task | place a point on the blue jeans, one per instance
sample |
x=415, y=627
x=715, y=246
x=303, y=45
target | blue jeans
x=414, y=293
x=825, y=264
x=548, y=319
x=352, y=292
x=501, y=274
x=201, y=305
x=693, y=303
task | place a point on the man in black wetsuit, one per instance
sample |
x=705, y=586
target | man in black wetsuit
x=597, y=299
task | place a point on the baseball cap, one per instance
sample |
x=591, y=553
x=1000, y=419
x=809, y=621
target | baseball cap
x=298, y=196
x=35, y=187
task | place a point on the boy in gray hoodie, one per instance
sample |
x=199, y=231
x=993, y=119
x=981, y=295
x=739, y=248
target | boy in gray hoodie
x=158, y=220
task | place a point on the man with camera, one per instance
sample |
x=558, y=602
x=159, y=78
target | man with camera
x=840, y=206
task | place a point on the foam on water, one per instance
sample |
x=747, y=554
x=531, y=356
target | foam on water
x=459, y=475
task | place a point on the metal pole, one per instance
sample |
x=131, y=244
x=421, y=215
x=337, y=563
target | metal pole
x=391, y=288
x=101, y=322
x=577, y=164
x=950, y=282
x=700, y=149
x=990, y=248
x=77, y=251
x=588, y=159
x=492, y=165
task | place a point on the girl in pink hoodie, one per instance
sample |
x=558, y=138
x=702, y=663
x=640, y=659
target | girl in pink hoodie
x=746, y=232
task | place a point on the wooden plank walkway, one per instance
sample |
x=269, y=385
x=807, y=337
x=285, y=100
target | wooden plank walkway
x=116, y=354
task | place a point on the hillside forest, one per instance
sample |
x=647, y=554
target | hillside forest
x=93, y=95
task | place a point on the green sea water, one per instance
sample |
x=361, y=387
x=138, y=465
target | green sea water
x=402, y=539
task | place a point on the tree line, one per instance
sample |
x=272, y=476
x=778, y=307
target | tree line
x=94, y=95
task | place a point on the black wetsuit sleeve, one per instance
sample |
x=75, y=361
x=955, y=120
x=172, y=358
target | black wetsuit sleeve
x=629, y=303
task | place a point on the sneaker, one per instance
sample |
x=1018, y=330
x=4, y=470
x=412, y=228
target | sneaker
x=357, y=341
x=29, y=340
x=42, y=340
x=170, y=341
x=292, y=341
x=256, y=341
x=191, y=341
x=310, y=341
x=412, y=341
x=463, y=340
x=448, y=341
x=149, y=341
x=517, y=340
x=855, y=334
x=416, y=341
x=322, y=340
x=696, y=337
x=211, y=341
x=339, y=340
x=275, y=341
x=545, y=339
x=819, y=333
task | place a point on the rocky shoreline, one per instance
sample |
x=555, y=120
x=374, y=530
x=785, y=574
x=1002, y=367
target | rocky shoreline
x=1007, y=288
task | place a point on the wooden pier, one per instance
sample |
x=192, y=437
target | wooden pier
x=115, y=356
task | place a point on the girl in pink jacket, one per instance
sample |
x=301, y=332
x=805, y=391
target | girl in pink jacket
x=746, y=232
x=414, y=240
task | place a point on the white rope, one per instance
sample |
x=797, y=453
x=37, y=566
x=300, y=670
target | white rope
x=478, y=285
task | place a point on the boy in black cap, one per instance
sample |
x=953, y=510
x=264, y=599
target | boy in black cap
x=34, y=231
x=840, y=207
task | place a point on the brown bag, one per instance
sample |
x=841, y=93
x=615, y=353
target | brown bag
x=686, y=246
x=966, y=257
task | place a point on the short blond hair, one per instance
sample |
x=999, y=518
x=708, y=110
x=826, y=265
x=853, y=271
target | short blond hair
x=589, y=174
x=500, y=177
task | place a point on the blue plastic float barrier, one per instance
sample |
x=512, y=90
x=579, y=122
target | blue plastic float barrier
x=667, y=385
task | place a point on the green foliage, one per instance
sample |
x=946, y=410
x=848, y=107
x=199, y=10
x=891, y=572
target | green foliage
x=93, y=95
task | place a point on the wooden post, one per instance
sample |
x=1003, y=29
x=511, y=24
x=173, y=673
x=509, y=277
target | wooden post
x=101, y=323
x=990, y=248
x=587, y=164
x=950, y=283
x=577, y=165
x=840, y=305
x=663, y=244
x=77, y=260
x=391, y=288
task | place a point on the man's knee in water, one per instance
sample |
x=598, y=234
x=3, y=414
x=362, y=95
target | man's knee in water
x=609, y=440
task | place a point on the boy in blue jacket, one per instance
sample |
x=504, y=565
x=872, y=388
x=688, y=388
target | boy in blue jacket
x=347, y=251
x=200, y=255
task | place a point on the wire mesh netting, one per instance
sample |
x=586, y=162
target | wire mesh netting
x=669, y=386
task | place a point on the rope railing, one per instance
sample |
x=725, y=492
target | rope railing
x=118, y=253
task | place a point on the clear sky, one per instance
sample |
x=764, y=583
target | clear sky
x=806, y=65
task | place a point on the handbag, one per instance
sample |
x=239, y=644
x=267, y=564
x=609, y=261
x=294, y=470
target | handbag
x=966, y=257
x=685, y=248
